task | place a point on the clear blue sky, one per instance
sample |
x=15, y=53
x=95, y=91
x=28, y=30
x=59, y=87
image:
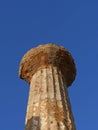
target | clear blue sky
x=26, y=24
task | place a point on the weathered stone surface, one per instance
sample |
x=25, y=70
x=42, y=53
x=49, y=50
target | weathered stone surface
x=45, y=55
x=49, y=69
x=48, y=105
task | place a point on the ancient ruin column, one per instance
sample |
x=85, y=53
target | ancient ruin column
x=49, y=69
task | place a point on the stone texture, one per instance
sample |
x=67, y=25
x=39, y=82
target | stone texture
x=48, y=105
x=49, y=69
x=44, y=55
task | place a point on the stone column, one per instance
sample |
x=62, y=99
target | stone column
x=49, y=69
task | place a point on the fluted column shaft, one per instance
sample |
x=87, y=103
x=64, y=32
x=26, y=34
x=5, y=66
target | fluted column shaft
x=48, y=104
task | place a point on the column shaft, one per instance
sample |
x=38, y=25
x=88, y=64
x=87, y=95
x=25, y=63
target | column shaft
x=48, y=104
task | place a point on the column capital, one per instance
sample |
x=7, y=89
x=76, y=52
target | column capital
x=48, y=55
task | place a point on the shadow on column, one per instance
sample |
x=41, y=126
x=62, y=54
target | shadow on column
x=33, y=123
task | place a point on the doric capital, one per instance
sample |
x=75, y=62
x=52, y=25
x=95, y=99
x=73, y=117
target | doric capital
x=44, y=56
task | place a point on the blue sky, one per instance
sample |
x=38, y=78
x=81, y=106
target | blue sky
x=26, y=24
